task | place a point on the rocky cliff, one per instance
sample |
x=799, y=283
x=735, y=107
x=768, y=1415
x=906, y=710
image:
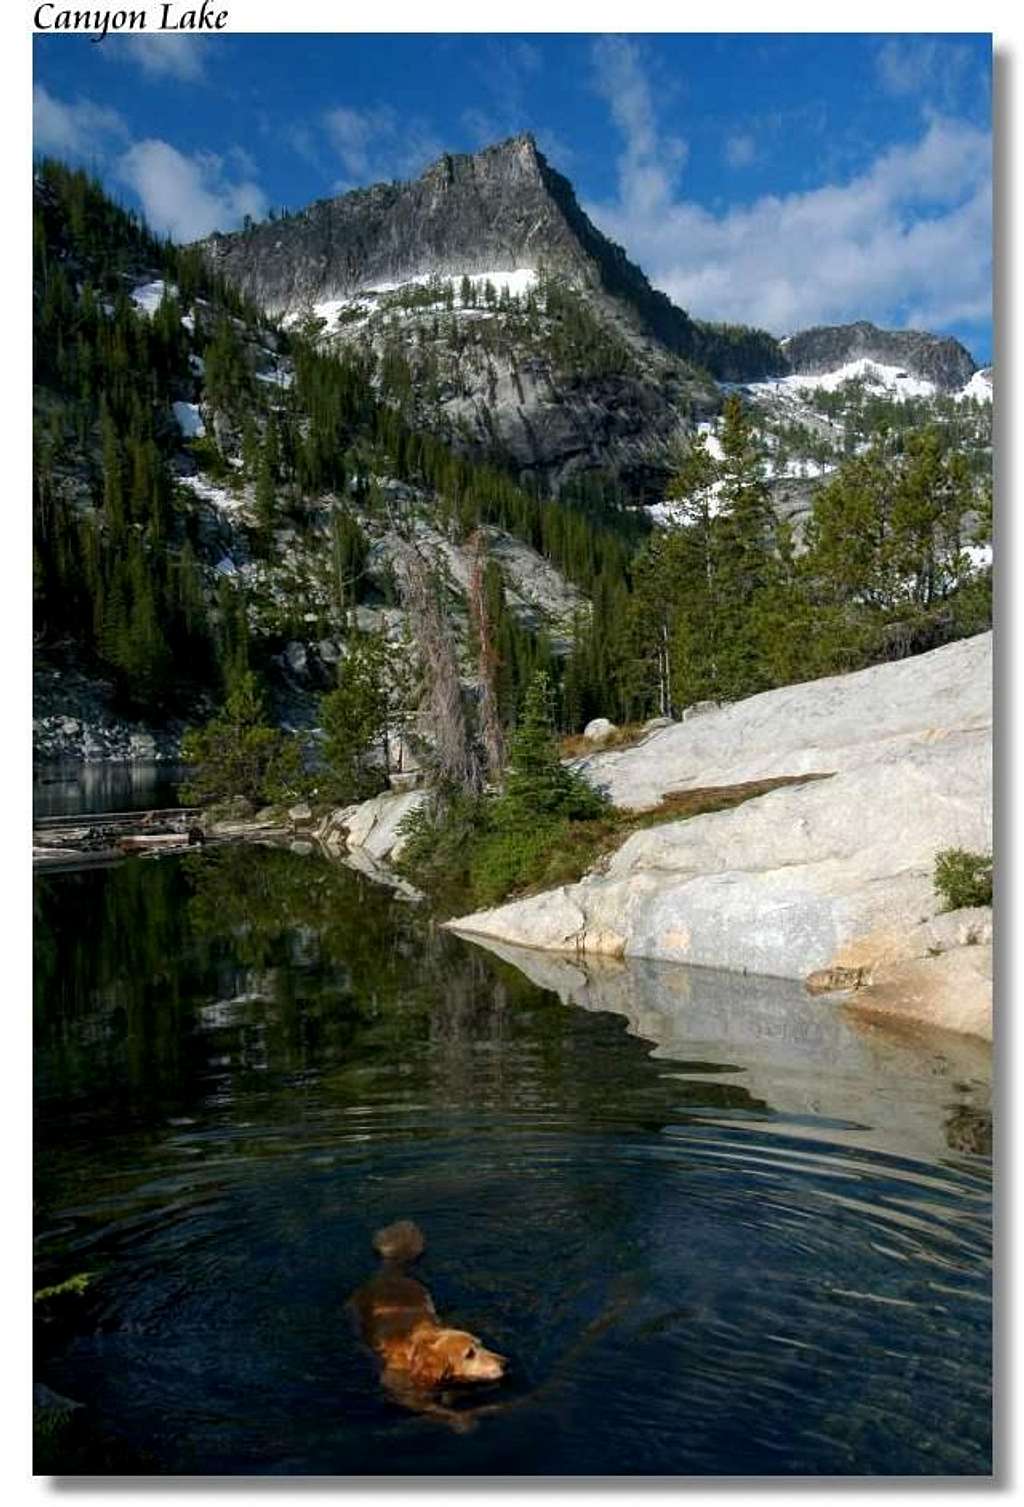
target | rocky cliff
x=501, y=209
x=603, y=381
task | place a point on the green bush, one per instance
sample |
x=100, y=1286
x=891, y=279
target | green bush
x=545, y=829
x=355, y=721
x=237, y=754
x=439, y=839
x=508, y=859
x=962, y=878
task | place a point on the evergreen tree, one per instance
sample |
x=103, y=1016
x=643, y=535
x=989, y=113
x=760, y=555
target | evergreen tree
x=354, y=718
x=537, y=783
x=238, y=754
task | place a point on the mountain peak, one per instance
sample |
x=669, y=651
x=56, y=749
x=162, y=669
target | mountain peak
x=936, y=358
x=517, y=156
x=501, y=209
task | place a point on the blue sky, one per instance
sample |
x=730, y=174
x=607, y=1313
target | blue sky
x=780, y=180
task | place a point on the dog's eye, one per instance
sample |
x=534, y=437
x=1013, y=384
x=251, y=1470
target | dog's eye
x=470, y=1353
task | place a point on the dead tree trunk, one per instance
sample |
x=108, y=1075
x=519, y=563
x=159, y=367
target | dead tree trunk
x=487, y=665
x=458, y=763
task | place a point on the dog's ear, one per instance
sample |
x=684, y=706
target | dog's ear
x=429, y=1360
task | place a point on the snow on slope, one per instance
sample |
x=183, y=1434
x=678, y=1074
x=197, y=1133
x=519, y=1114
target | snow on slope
x=367, y=300
x=979, y=387
x=519, y=281
x=217, y=497
x=149, y=296
x=892, y=380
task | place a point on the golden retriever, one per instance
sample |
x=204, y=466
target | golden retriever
x=397, y=1319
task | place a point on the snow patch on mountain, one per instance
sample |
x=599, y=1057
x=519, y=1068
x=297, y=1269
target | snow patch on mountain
x=278, y=377
x=979, y=387
x=220, y=498
x=711, y=440
x=357, y=309
x=149, y=296
x=519, y=281
x=892, y=380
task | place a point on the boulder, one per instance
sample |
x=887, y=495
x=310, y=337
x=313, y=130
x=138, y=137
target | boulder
x=142, y=745
x=599, y=729
x=301, y=814
x=789, y=882
x=373, y=825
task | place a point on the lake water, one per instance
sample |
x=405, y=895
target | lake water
x=718, y=1227
x=67, y=789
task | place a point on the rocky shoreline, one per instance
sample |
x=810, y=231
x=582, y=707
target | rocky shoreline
x=830, y=880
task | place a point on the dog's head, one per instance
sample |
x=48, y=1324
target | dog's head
x=454, y=1355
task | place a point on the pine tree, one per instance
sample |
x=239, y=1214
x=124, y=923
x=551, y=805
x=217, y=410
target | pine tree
x=537, y=784
x=355, y=720
x=746, y=555
x=238, y=754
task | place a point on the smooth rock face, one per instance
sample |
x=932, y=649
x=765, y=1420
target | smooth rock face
x=782, y=884
x=819, y=726
x=952, y=990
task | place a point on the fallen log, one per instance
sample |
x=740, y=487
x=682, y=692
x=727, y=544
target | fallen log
x=152, y=842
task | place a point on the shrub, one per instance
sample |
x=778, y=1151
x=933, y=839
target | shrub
x=962, y=878
x=237, y=754
x=439, y=839
x=506, y=859
x=355, y=721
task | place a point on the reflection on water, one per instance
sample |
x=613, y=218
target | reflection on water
x=67, y=789
x=890, y=1085
x=730, y=1233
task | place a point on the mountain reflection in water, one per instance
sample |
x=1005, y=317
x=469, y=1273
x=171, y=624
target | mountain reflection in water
x=719, y=1227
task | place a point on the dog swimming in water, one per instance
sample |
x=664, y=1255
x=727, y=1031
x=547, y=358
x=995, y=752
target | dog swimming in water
x=397, y=1319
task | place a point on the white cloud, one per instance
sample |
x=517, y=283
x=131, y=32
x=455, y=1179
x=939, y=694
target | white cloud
x=651, y=162
x=908, y=240
x=187, y=197
x=740, y=149
x=171, y=55
x=377, y=144
x=82, y=129
x=933, y=69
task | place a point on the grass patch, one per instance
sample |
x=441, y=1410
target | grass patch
x=679, y=804
x=576, y=746
x=464, y=861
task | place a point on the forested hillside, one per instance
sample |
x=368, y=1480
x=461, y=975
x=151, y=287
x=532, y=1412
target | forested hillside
x=217, y=493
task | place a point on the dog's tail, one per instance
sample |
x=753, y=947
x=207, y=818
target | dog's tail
x=399, y=1242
